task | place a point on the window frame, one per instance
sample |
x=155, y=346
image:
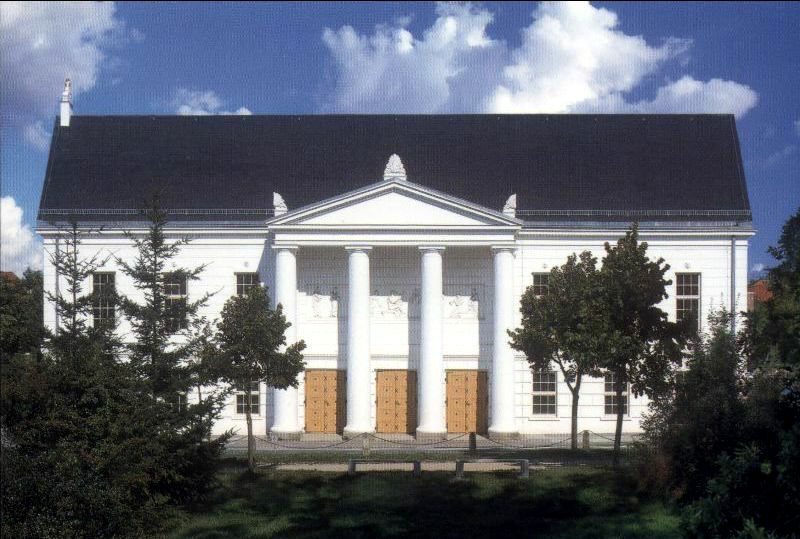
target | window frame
x=612, y=394
x=242, y=287
x=253, y=391
x=109, y=305
x=543, y=288
x=544, y=394
x=681, y=297
x=175, y=325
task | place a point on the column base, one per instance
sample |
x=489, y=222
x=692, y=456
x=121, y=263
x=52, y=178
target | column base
x=349, y=434
x=428, y=437
x=287, y=435
x=503, y=435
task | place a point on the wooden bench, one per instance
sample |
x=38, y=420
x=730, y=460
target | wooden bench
x=416, y=470
x=524, y=466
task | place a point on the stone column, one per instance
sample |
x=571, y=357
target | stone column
x=359, y=379
x=502, y=422
x=286, y=424
x=431, y=365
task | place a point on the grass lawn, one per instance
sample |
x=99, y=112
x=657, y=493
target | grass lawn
x=575, y=502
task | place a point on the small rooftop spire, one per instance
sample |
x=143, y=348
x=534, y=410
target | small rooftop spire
x=67, y=94
x=279, y=204
x=66, y=103
x=394, y=169
x=510, y=207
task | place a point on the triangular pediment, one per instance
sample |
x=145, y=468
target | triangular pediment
x=391, y=204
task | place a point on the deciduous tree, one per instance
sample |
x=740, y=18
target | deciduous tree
x=564, y=326
x=640, y=346
x=21, y=327
x=252, y=347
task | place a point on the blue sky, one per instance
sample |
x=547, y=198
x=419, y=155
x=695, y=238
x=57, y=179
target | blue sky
x=141, y=58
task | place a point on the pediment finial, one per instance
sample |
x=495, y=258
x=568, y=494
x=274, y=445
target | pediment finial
x=394, y=169
x=510, y=207
x=279, y=204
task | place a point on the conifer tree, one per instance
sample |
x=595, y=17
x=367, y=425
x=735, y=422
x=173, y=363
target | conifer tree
x=167, y=342
x=84, y=457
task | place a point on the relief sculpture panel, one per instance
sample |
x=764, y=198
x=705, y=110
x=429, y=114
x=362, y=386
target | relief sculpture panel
x=320, y=301
x=463, y=301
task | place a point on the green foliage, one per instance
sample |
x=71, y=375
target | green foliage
x=730, y=431
x=83, y=458
x=95, y=445
x=564, y=326
x=251, y=341
x=639, y=344
x=167, y=331
x=169, y=354
x=701, y=417
x=21, y=328
x=251, y=337
x=81, y=455
x=773, y=331
x=578, y=503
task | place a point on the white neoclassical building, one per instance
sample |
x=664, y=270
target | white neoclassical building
x=400, y=246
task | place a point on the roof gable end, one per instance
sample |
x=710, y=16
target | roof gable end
x=394, y=203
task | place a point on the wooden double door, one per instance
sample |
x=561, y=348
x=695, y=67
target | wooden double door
x=396, y=396
x=467, y=401
x=326, y=400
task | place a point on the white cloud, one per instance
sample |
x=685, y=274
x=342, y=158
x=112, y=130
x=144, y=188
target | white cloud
x=690, y=95
x=37, y=136
x=45, y=42
x=757, y=268
x=394, y=71
x=572, y=54
x=202, y=103
x=19, y=247
x=573, y=58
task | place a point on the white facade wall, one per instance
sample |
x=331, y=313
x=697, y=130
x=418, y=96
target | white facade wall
x=395, y=280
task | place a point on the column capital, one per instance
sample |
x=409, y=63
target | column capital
x=358, y=248
x=501, y=248
x=435, y=248
x=283, y=247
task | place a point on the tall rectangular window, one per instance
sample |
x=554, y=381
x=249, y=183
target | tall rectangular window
x=245, y=281
x=103, y=287
x=611, y=402
x=687, y=298
x=249, y=397
x=544, y=392
x=175, y=297
x=541, y=283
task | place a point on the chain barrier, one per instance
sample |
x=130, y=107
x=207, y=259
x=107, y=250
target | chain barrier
x=417, y=444
x=601, y=436
x=312, y=448
x=528, y=447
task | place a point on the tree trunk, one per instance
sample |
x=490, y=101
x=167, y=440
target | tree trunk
x=620, y=414
x=251, y=441
x=575, y=396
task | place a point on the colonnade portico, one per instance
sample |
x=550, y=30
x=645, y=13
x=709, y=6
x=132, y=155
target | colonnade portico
x=431, y=369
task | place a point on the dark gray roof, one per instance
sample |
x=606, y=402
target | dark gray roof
x=590, y=167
